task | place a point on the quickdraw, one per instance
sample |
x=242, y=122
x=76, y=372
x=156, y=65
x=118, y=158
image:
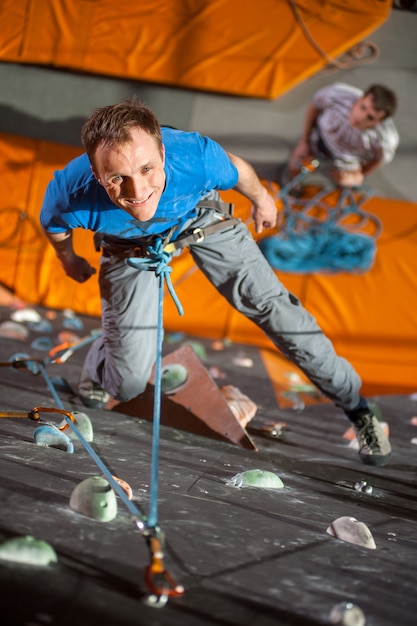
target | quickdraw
x=61, y=353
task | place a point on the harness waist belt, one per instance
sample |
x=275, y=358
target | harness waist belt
x=141, y=248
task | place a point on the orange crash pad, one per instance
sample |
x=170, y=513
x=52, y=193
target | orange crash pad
x=228, y=46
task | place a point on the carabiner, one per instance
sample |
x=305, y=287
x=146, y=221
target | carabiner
x=37, y=410
x=157, y=578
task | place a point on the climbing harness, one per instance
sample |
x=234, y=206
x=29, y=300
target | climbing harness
x=143, y=249
x=199, y=234
x=157, y=578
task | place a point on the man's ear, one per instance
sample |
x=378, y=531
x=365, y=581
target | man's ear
x=163, y=154
x=95, y=174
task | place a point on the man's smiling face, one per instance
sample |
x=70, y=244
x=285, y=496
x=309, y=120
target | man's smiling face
x=132, y=173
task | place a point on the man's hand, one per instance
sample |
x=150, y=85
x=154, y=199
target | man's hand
x=78, y=268
x=264, y=210
x=346, y=178
x=264, y=215
x=300, y=153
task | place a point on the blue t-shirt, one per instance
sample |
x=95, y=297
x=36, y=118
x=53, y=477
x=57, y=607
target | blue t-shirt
x=194, y=166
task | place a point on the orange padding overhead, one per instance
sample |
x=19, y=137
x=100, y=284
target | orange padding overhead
x=371, y=317
x=259, y=49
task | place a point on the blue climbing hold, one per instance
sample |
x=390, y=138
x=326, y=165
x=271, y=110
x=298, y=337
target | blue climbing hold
x=50, y=436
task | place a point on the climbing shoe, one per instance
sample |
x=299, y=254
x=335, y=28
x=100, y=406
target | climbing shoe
x=92, y=395
x=374, y=445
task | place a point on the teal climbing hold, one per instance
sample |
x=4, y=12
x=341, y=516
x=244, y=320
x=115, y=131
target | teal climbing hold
x=50, y=436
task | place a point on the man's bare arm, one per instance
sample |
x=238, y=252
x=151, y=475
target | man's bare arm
x=264, y=210
x=76, y=267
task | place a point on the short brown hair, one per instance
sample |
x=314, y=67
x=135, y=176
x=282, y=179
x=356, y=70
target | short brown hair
x=384, y=99
x=111, y=125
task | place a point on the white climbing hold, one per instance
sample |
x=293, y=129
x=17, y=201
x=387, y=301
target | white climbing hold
x=347, y=614
x=26, y=315
x=13, y=330
x=256, y=478
x=28, y=550
x=351, y=530
x=94, y=498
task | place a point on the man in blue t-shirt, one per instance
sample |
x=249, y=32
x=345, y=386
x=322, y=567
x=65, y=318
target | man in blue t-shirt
x=138, y=182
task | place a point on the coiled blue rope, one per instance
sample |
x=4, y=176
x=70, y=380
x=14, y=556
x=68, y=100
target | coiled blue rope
x=157, y=261
x=308, y=244
x=326, y=250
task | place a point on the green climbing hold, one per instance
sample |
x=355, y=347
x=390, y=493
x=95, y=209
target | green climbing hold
x=198, y=348
x=84, y=425
x=28, y=550
x=261, y=479
x=94, y=498
x=172, y=377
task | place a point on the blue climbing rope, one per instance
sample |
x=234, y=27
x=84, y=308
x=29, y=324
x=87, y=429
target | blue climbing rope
x=138, y=516
x=157, y=261
x=316, y=236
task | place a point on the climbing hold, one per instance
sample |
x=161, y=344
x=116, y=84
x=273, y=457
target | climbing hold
x=256, y=478
x=72, y=321
x=26, y=364
x=175, y=337
x=50, y=436
x=61, y=384
x=28, y=550
x=83, y=423
x=13, y=330
x=243, y=361
x=94, y=498
x=173, y=377
x=125, y=486
x=347, y=614
x=26, y=315
x=240, y=405
x=274, y=429
x=351, y=530
x=43, y=344
x=43, y=326
x=198, y=348
x=67, y=336
x=359, y=485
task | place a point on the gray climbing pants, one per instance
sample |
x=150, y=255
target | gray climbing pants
x=122, y=359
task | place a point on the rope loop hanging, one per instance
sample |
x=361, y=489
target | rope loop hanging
x=158, y=261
